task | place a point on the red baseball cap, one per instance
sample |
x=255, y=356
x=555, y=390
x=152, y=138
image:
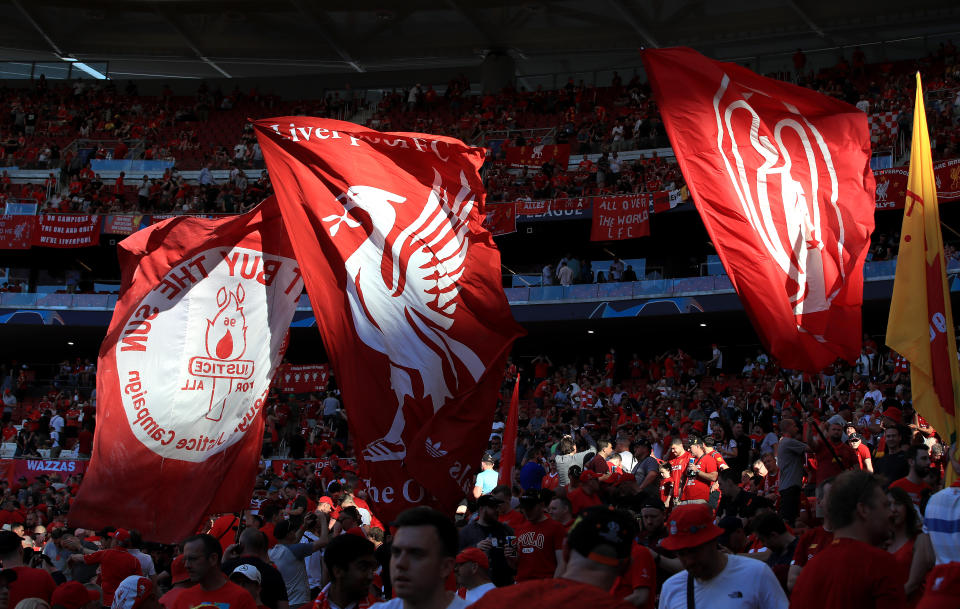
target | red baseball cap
x=178, y=571
x=73, y=595
x=326, y=500
x=690, y=526
x=894, y=413
x=121, y=535
x=589, y=474
x=473, y=555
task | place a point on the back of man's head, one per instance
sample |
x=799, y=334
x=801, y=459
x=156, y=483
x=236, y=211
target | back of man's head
x=849, y=489
x=253, y=541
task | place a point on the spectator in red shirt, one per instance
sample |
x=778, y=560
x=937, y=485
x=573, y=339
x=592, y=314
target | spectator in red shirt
x=853, y=571
x=699, y=475
x=30, y=582
x=116, y=564
x=864, y=459
x=679, y=460
x=833, y=456
x=202, y=555
x=597, y=552
x=539, y=539
x=587, y=494
x=919, y=459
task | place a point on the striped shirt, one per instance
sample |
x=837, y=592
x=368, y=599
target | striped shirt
x=942, y=522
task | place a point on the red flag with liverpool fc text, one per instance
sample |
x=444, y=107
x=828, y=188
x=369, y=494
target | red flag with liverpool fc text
x=405, y=284
x=781, y=177
x=184, y=370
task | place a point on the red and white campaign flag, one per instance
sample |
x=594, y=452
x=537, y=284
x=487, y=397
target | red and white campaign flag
x=781, y=177
x=184, y=371
x=405, y=283
x=617, y=217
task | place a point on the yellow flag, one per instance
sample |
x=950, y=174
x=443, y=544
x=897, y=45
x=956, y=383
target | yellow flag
x=920, y=326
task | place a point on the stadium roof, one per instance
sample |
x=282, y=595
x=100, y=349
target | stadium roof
x=243, y=38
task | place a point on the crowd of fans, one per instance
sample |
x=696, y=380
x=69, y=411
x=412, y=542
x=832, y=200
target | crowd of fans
x=209, y=130
x=631, y=475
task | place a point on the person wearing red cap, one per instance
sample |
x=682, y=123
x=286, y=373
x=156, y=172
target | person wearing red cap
x=853, y=571
x=473, y=574
x=74, y=595
x=587, y=494
x=202, y=554
x=179, y=581
x=116, y=564
x=714, y=579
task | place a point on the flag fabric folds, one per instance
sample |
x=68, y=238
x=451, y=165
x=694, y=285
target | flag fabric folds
x=405, y=284
x=781, y=177
x=920, y=325
x=184, y=370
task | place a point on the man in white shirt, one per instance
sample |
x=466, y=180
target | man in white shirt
x=422, y=556
x=473, y=573
x=720, y=581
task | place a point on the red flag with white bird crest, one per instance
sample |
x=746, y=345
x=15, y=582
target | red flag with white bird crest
x=406, y=287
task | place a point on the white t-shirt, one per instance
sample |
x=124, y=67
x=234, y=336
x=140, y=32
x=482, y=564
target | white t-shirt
x=745, y=583
x=397, y=603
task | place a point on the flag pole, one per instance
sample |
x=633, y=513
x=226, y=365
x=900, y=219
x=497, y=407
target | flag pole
x=508, y=460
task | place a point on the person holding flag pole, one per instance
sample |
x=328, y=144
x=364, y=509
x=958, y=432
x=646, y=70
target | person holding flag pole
x=920, y=325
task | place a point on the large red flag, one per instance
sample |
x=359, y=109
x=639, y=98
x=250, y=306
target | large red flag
x=184, y=370
x=405, y=283
x=781, y=177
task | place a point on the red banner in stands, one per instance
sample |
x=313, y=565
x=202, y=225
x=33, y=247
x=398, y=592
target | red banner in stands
x=63, y=230
x=539, y=208
x=310, y=378
x=31, y=469
x=537, y=155
x=126, y=224
x=892, y=184
x=16, y=232
x=501, y=219
x=620, y=217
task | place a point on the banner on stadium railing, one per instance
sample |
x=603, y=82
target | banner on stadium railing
x=501, y=219
x=123, y=224
x=67, y=230
x=537, y=155
x=31, y=469
x=16, y=232
x=308, y=378
x=892, y=184
x=621, y=217
x=579, y=208
x=20, y=209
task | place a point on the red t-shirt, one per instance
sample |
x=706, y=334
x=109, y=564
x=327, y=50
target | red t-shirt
x=580, y=501
x=227, y=596
x=31, y=583
x=677, y=467
x=550, y=593
x=512, y=519
x=863, y=453
x=914, y=490
x=537, y=547
x=695, y=488
x=642, y=574
x=850, y=573
x=115, y=566
x=827, y=466
x=267, y=530
x=810, y=544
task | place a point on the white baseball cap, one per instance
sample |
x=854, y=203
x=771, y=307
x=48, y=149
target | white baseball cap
x=249, y=571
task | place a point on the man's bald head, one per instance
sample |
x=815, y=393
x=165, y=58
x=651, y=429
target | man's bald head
x=253, y=541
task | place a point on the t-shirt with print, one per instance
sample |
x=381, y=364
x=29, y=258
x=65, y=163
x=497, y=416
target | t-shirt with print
x=696, y=488
x=809, y=544
x=850, y=573
x=744, y=583
x=537, y=547
x=641, y=574
x=914, y=490
x=227, y=596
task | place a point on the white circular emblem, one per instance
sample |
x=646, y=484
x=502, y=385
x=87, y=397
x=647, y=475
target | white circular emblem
x=195, y=358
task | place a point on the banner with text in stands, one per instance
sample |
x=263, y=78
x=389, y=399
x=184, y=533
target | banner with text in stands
x=125, y=224
x=309, y=378
x=65, y=230
x=892, y=184
x=31, y=469
x=578, y=208
x=621, y=217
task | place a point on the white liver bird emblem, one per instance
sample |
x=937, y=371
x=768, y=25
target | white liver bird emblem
x=402, y=289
